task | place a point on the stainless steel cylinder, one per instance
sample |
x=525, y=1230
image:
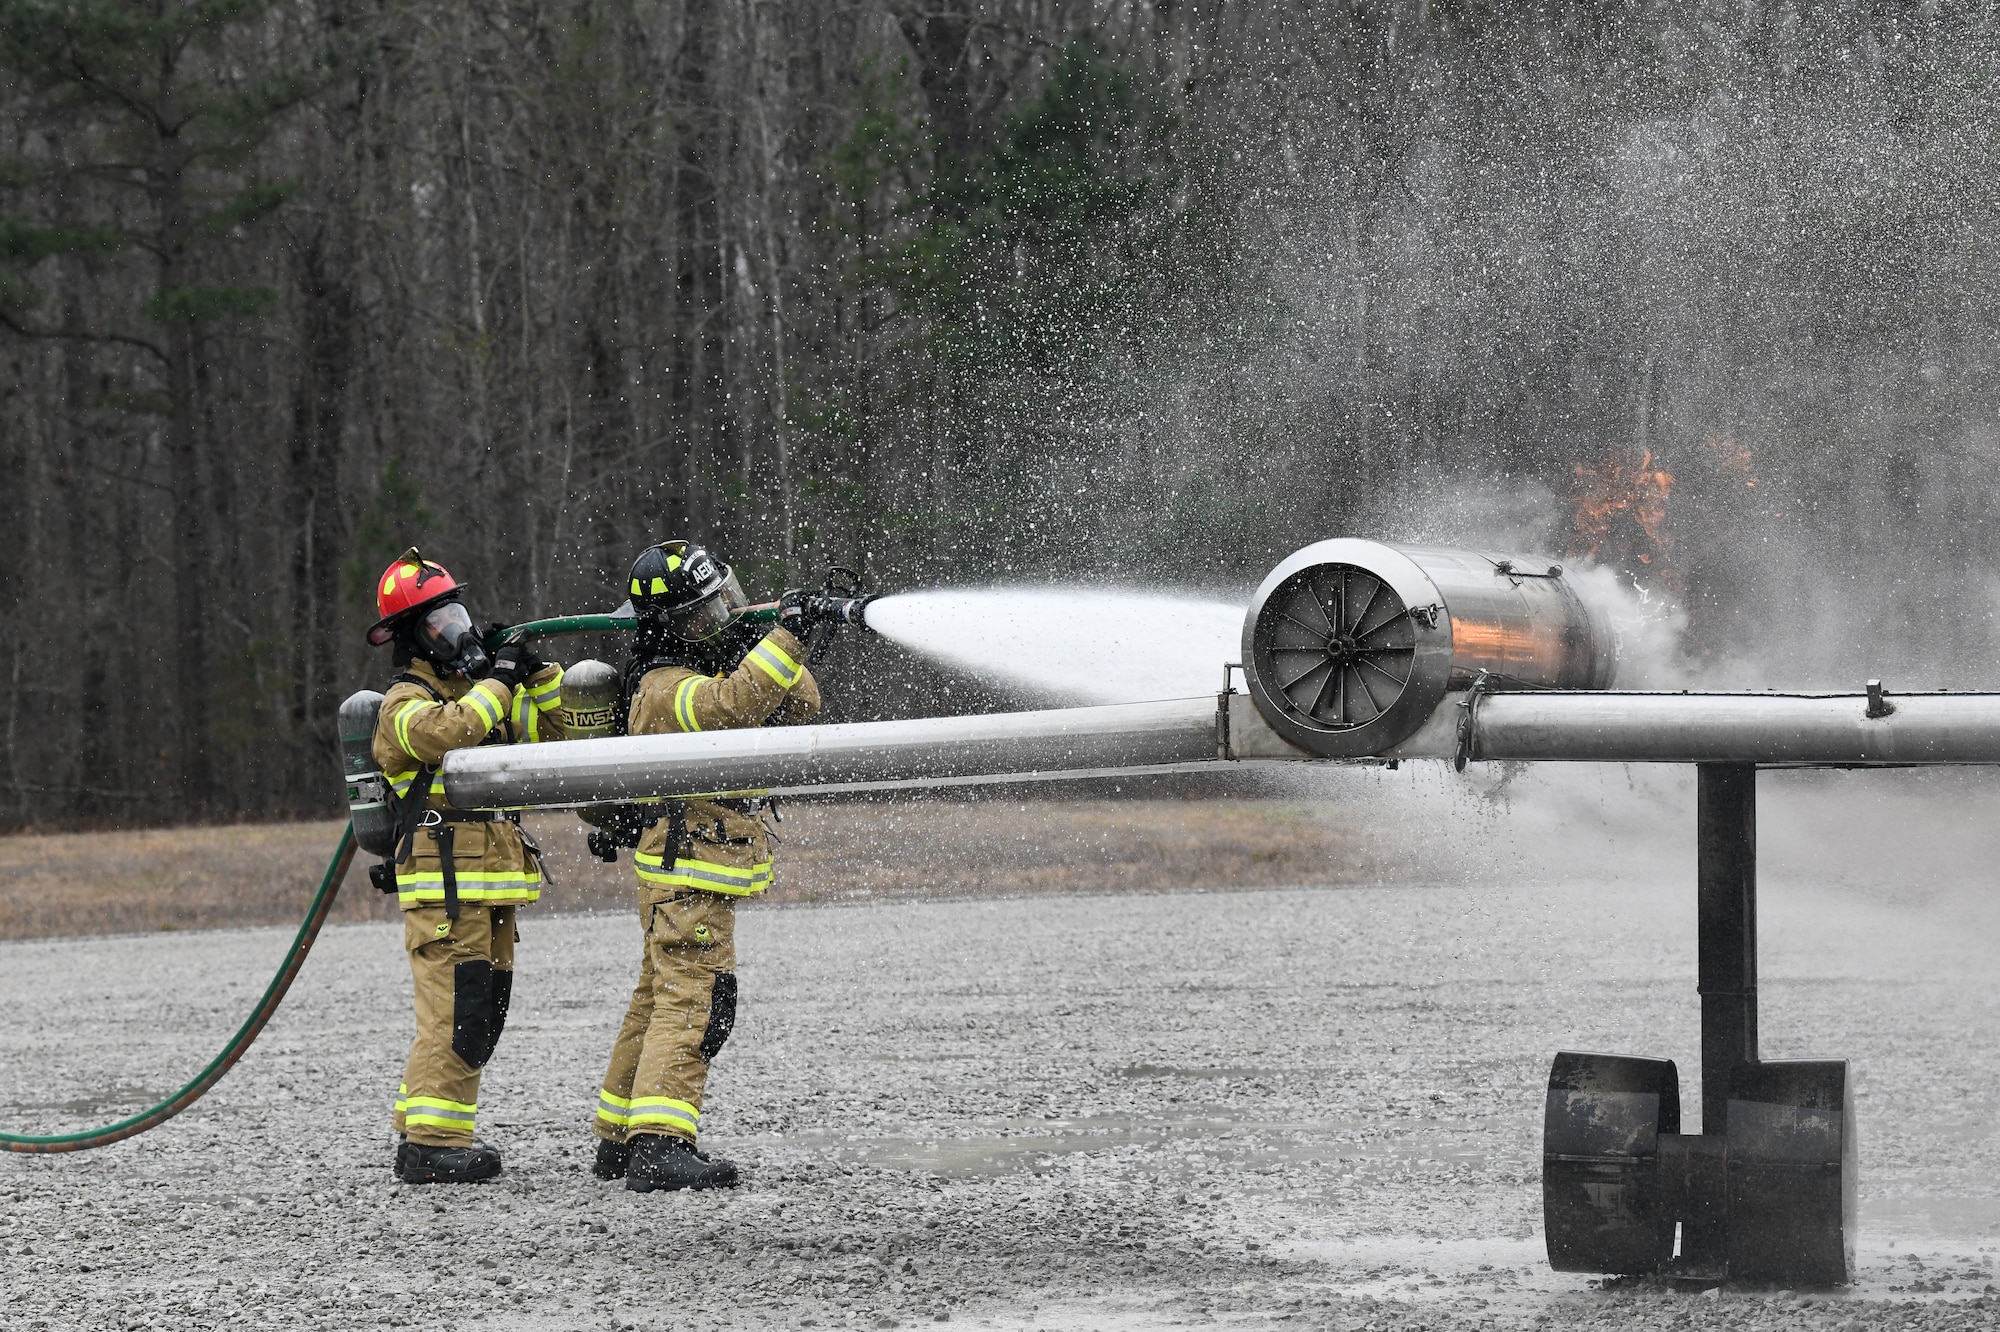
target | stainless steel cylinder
x=367, y=793
x=1350, y=645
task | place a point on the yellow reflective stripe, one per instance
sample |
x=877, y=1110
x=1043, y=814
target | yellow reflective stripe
x=438, y=1112
x=779, y=653
x=735, y=880
x=689, y=862
x=435, y=1119
x=612, y=1108
x=439, y=1103
x=684, y=703
x=664, y=1110
x=734, y=873
x=486, y=703
x=775, y=664
x=548, y=693
x=408, y=709
x=400, y=782
x=526, y=892
x=470, y=876
x=785, y=658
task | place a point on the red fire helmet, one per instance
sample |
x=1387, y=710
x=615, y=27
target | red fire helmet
x=409, y=587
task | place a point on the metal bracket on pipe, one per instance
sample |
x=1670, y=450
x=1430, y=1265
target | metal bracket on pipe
x=1468, y=720
x=1512, y=570
x=1223, y=750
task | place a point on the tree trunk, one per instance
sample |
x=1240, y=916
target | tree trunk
x=191, y=516
x=320, y=532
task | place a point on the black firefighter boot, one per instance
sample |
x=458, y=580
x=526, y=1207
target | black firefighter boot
x=661, y=1162
x=612, y=1159
x=418, y=1164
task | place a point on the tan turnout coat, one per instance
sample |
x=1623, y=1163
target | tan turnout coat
x=727, y=850
x=494, y=866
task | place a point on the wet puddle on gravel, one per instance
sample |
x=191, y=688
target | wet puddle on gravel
x=1503, y=1271
x=91, y=1110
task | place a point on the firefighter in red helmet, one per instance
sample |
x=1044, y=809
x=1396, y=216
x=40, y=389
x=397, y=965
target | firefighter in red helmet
x=458, y=874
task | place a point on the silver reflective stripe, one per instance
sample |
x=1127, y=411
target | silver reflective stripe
x=654, y=1112
x=417, y=1107
x=609, y=1111
x=683, y=869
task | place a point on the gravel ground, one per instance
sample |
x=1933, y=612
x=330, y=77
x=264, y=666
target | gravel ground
x=1300, y=1107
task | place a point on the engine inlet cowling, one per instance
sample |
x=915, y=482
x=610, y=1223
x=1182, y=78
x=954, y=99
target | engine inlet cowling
x=1350, y=645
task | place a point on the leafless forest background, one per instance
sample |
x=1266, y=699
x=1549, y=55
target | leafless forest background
x=958, y=291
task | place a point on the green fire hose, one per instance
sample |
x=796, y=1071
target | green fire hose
x=274, y=994
x=316, y=913
x=762, y=613
x=288, y=969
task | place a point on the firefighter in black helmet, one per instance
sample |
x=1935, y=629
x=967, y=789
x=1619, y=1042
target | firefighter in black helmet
x=694, y=668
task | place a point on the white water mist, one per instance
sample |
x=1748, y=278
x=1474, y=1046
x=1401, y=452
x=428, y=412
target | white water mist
x=1075, y=645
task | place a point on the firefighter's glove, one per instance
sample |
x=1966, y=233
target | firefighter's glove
x=514, y=663
x=799, y=610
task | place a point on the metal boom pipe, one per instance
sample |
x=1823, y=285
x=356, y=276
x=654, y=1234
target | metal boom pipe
x=1551, y=726
x=1786, y=729
x=1122, y=735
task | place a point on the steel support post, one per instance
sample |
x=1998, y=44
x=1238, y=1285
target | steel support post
x=1726, y=823
x=1726, y=913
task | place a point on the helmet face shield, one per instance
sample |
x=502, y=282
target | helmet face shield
x=712, y=614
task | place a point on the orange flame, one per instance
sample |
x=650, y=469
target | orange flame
x=1731, y=458
x=1620, y=511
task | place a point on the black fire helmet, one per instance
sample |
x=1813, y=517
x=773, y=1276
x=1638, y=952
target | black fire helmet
x=680, y=585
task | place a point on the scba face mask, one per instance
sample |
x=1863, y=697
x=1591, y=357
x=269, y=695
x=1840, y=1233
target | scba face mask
x=447, y=637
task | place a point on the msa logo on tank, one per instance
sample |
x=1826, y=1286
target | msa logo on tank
x=589, y=699
x=593, y=720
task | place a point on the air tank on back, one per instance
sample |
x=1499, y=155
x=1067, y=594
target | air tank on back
x=590, y=700
x=367, y=794
x=1350, y=645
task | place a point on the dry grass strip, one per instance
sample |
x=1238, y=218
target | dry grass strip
x=218, y=877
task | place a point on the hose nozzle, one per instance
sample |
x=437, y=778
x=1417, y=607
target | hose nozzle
x=847, y=610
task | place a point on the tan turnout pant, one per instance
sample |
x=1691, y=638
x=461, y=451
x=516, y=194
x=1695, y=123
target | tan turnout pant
x=681, y=1012
x=464, y=972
